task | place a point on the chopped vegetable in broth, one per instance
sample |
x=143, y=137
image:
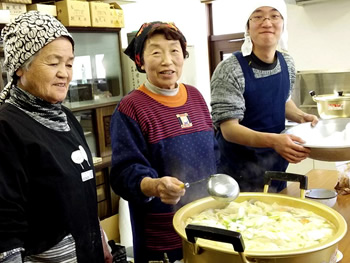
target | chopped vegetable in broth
x=268, y=227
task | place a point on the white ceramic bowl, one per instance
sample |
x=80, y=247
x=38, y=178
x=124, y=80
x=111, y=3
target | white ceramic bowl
x=324, y=196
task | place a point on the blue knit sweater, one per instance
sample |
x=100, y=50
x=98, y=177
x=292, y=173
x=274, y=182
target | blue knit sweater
x=151, y=139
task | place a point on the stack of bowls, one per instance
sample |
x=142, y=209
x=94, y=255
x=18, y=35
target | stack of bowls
x=324, y=196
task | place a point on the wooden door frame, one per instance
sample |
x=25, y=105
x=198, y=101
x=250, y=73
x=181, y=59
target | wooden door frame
x=218, y=45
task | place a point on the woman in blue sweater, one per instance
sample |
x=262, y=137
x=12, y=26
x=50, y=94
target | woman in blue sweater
x=162, y=136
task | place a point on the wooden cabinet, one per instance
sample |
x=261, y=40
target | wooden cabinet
x=95, y=90
x=103, y=118
x=96, y=125
x=107, y=200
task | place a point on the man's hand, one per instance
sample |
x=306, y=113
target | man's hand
x=288, y=146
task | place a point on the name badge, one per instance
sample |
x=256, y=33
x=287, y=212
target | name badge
x=184, y=120
x=87, y=175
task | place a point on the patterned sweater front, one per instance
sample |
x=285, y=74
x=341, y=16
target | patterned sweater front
x=155, y=136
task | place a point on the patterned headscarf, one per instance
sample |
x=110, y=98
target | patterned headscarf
x=135, y=48
x=281, y=7
x=24, y=37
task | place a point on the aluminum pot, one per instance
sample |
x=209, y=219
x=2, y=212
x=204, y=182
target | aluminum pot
x=204, y=250
x=331, y=106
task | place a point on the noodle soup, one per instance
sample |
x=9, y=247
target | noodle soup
x=268, y=227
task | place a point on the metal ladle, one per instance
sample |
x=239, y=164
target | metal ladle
x=221, y=187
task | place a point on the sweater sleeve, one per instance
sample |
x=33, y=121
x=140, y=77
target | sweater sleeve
x=129, y=158
x=13, y=224
x=227, y=88
x=291, y=69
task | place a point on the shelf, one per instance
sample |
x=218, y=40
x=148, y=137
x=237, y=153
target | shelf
x=85, y=29
x=93, y=29
x=106, y=162
x=91, y=104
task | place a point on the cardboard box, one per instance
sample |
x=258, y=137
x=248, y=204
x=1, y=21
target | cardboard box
x=73, y=13
x=4, y=17
x=116, y=15
x=17, y=1
x=99, y=14
x=46, y=9
x=111, y=226
x=15, y=9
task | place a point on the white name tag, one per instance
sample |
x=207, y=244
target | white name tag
x=87, y=175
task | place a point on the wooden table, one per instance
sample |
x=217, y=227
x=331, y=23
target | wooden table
x=328, y=179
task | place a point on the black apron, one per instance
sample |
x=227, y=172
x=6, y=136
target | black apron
x=265, y=100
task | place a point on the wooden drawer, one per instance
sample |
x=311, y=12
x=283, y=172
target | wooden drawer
x=100, y=179
x=103, y=209
x=101, y=193
x=103, y=117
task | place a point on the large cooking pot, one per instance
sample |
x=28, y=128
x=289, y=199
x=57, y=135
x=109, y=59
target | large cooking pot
x=331, y=106
x=198, y=247
x=317, y=139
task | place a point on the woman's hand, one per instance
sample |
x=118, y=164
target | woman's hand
x=168, y=189
x=288, y=146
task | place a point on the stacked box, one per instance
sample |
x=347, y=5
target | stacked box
x=4, y=19
x=46, y=9
x=15, y=9
x=116, y=15
x=73, y=13
x=99, y=14
x=17, y=1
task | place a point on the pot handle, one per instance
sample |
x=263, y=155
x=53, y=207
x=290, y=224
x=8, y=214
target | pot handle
x=217, y=234
x=313, y=95
x=288, y=177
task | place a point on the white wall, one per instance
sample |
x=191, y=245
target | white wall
x=189, y=16
x=319, y=34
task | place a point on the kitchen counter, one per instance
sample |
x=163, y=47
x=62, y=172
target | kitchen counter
x=328, y=179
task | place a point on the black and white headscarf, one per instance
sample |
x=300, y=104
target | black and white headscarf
x=24, y=37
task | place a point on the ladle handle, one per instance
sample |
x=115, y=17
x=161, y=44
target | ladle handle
x=217, y=234
x=288, y=177
x=185, y=185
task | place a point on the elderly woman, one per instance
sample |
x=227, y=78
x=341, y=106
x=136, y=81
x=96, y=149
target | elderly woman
x=250, y=101
x=48, y=206
x=162, y=137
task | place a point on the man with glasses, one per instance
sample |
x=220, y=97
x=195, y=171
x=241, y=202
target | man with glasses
x=250, y=99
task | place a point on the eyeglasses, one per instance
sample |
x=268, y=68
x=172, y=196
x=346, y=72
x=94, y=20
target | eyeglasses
x=261, y=19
